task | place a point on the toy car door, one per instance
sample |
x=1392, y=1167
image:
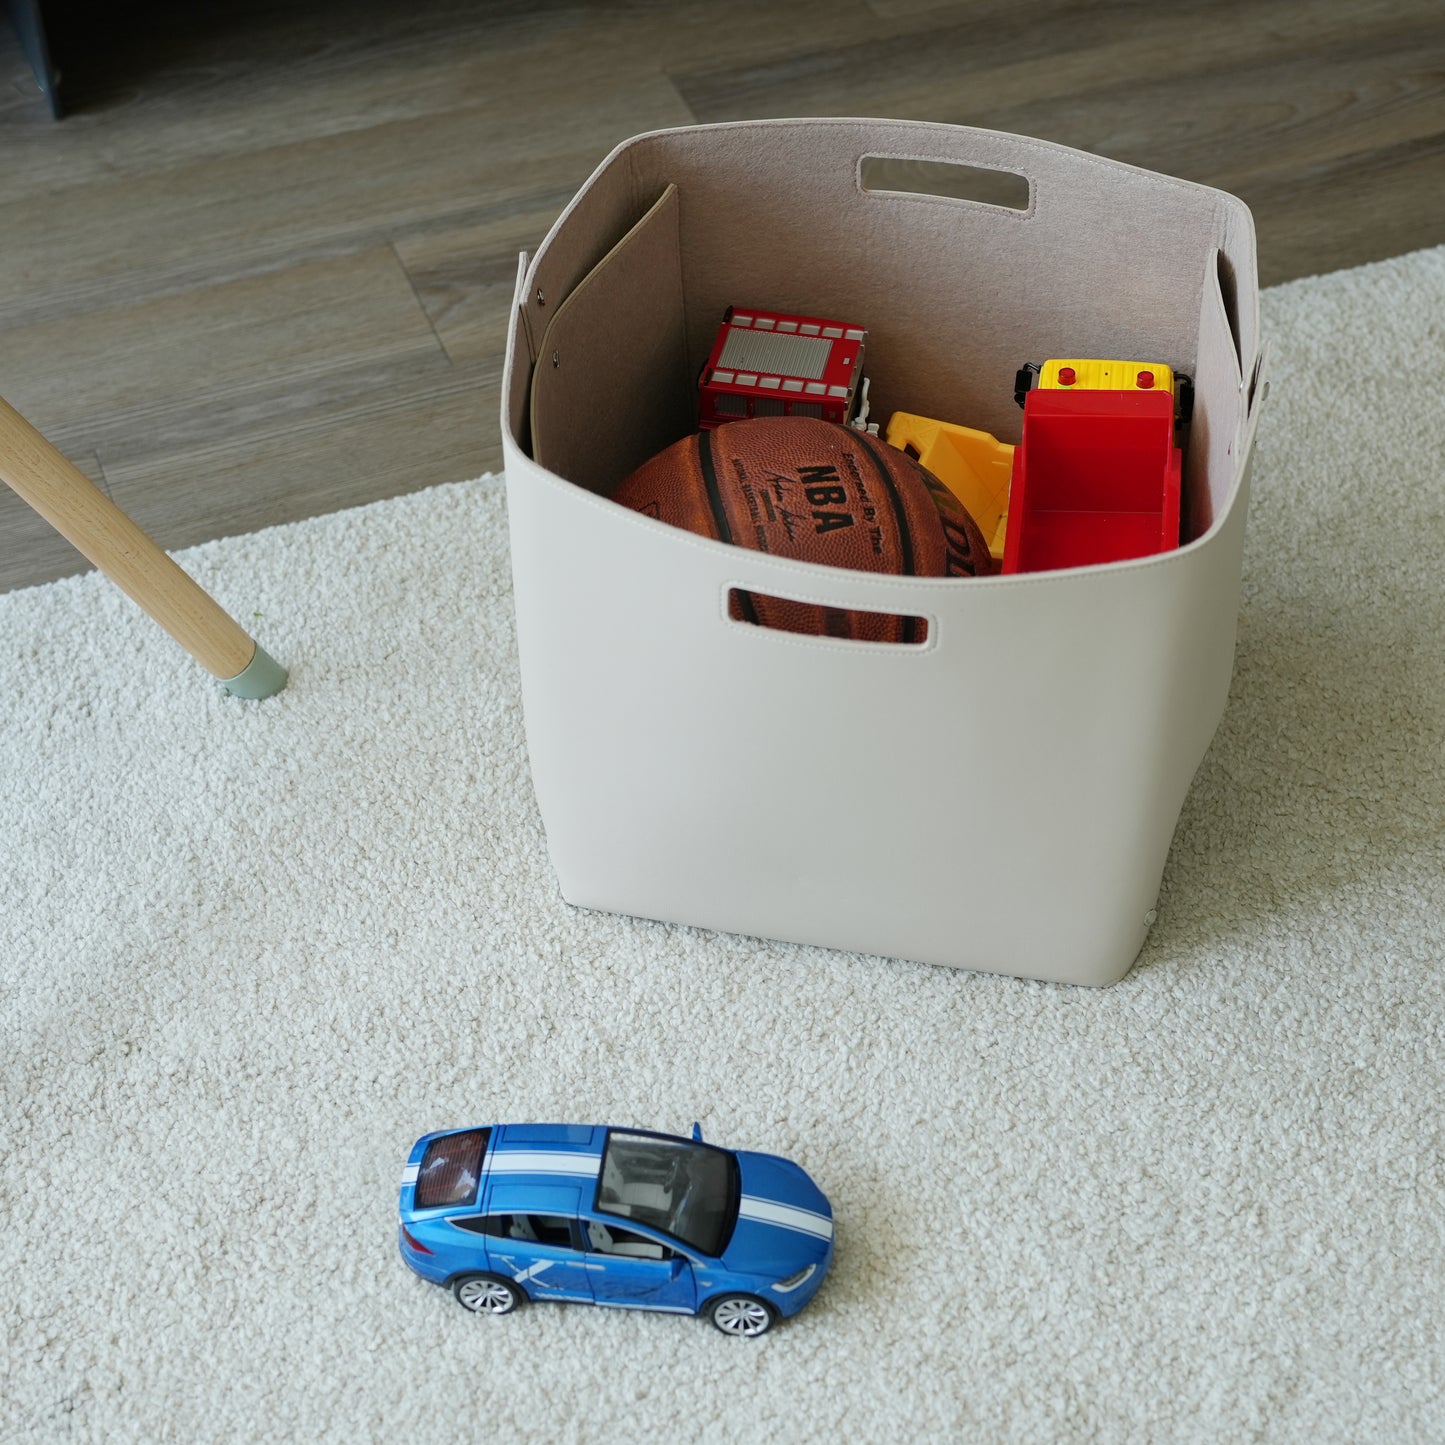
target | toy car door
x=533, y=1237
x=630, y=1268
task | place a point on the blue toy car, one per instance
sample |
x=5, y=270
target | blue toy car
x=619, y=1217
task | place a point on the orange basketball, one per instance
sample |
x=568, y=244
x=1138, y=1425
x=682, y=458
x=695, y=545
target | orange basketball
x=812, y=491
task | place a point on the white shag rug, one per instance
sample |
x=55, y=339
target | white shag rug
x=250, y=951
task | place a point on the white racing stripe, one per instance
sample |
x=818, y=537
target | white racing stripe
x=530, y=1161
x=408, y=1175
x=785, y=1216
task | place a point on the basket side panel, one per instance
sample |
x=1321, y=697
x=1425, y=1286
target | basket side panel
x=999, y=798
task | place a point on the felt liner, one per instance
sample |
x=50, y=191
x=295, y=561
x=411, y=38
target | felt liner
x=612, y=388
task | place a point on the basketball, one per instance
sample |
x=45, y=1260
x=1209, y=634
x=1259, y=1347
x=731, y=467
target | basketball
x=812, y=491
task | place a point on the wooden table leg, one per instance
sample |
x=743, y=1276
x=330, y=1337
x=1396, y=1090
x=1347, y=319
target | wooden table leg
x=91, y=522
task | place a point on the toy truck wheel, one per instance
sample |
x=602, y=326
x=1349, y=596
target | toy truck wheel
x=1025, y=379
x=486, y=1294
x=1185, y=388
x=741, y=1314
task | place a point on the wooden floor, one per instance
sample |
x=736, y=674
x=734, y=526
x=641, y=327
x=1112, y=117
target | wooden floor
x=262, y=271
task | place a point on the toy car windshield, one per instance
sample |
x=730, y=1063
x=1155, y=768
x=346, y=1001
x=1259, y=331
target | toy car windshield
x=687, y=1190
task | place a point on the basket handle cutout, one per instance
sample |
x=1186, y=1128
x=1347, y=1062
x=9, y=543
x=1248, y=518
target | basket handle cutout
x=819, y=619
x=947, y=180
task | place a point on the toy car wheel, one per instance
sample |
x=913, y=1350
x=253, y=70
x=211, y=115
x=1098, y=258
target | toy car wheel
x=486, y=1294
x=741, y=1314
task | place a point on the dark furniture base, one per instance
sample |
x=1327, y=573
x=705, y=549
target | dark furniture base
x=29, y=22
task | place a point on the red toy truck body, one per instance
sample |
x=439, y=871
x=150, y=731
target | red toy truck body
x=769, y=363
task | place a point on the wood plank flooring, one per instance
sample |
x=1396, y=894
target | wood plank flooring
x=263, y=270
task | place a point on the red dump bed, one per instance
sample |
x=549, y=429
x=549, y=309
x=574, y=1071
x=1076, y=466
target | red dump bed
x=1096, y=478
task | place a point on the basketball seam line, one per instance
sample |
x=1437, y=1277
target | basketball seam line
x=714, y=496
x=900, y=519
x=746, y=605
x=900, y=516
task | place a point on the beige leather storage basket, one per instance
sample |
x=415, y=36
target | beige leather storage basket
x=1001, y=796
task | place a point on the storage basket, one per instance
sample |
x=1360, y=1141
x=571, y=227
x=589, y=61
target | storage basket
x=1001, y=796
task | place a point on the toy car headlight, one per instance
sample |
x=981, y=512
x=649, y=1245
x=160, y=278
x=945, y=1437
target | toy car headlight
x=786, y=1286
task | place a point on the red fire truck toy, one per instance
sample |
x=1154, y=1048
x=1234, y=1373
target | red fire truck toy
x=1096, y=477
x=768, y=363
